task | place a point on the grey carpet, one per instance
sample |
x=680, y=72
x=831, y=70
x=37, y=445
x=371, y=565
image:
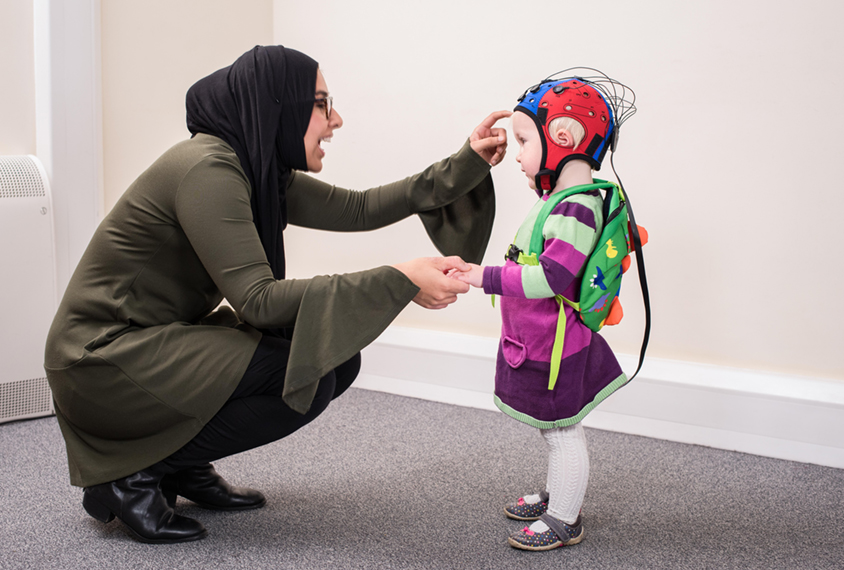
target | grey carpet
x=382, y=481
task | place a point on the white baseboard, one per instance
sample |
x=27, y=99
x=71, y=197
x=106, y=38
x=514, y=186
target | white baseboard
x=786, y=417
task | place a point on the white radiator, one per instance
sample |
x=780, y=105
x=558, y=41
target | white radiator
x=27, y=287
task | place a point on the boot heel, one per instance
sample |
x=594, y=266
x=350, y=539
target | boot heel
x=97, y=509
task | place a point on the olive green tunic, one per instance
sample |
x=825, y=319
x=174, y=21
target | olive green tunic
x=138, y=358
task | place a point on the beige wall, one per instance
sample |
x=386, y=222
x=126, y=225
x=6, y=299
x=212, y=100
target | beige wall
x=152, y=52
x=17, y=86
x=741, y=205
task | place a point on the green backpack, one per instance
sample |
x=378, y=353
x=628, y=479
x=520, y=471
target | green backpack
x=598, y=304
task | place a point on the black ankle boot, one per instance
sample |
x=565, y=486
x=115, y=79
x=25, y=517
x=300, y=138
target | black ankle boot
x=204, y=486
x=137, y=500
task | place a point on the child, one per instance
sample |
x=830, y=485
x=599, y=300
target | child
x=564, y=128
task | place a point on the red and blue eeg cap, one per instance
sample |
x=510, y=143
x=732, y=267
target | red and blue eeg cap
x=575, y=98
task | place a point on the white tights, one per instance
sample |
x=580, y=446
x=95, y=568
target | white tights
x=568, y=471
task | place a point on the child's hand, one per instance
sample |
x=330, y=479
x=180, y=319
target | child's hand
x=474, y=276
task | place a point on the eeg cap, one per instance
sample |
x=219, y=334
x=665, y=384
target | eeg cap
x=594, y=102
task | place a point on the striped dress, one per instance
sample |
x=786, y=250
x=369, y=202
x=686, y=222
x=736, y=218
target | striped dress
x=589, y=371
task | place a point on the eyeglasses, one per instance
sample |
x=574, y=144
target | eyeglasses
x=326, y=104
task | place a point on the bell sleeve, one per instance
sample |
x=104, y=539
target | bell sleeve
x=454, y=198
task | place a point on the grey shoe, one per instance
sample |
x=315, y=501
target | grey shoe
x=558, y=534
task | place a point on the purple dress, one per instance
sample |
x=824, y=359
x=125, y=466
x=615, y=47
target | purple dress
x=589, y=371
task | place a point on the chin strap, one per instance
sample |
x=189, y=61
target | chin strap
x=545, y=180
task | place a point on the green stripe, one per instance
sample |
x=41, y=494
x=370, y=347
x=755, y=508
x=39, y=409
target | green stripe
x=535, y=284
x=571, y=230
x=600, y=397
x=522, y=239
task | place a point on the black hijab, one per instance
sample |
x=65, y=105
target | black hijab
x=261, y=105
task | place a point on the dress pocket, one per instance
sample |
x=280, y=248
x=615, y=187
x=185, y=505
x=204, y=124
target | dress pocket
x=515, y=352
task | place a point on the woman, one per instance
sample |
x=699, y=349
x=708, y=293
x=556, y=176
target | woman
x=150, y=382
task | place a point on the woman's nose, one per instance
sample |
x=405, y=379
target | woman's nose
x=336, y=121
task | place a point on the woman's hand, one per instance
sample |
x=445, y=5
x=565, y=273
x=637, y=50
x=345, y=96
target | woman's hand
x=436, y=290
x=490, y=143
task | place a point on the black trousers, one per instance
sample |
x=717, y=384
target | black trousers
x=255, y=414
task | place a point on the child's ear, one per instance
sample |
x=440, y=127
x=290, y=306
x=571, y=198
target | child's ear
x=564, y=138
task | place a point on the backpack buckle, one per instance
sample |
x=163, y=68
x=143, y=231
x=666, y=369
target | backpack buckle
x=513, y=253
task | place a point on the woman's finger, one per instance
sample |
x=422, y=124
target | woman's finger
x=494, y=117
x=485, y=144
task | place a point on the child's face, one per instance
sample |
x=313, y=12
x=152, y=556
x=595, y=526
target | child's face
x=530, y=146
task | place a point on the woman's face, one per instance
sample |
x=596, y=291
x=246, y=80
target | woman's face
x=320, y=129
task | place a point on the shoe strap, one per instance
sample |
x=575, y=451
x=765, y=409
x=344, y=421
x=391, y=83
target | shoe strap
x=559, y=527
x=543, y=496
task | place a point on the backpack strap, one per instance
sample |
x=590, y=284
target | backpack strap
x=559, y=336
x=537, y=240
x=643, y=281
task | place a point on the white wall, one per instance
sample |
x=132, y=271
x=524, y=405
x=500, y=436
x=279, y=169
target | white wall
x=68, y=122
x=740, y=203
x=49, y=107
x=17, y=70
